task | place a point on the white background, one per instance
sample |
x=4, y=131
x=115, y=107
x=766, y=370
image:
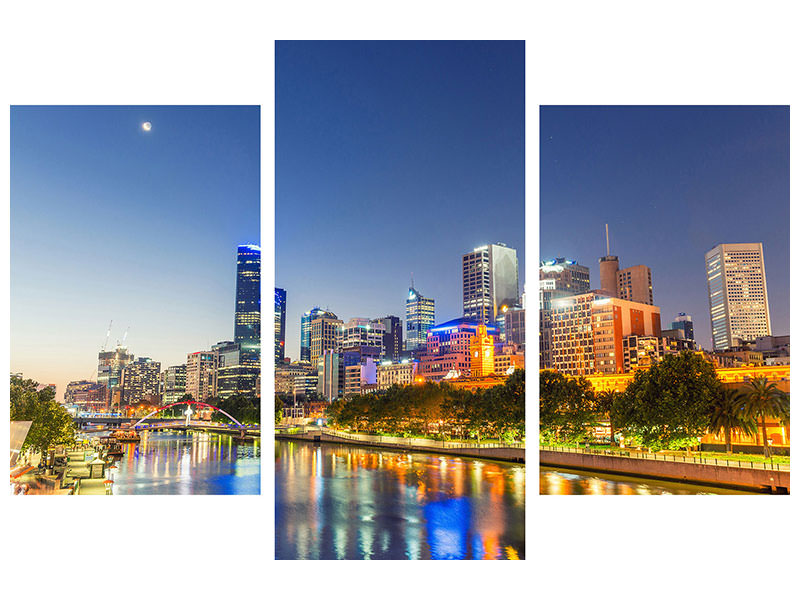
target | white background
x=222, y=53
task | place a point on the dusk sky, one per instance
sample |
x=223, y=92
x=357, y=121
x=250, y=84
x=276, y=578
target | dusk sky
x=393, y=158
x=671, y=182
x=109, y=221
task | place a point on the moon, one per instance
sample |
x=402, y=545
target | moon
x=147, y=125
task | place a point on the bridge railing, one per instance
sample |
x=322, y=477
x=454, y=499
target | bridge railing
x=694, y=459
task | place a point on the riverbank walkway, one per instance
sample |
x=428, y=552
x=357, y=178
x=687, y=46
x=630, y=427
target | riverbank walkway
x=691, y=469
x=511, y=452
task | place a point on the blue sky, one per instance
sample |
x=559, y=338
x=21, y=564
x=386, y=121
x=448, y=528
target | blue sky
x=671, y=182
x=393, y=158
x=111, y=222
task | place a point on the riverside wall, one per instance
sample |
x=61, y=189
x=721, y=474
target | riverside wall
x=727, y=476
x=503, y=454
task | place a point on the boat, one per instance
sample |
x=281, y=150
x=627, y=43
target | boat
x=122, y=435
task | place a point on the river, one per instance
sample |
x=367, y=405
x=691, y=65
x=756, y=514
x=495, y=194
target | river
x=338, y=501
x=560, y=481
x=166, y=462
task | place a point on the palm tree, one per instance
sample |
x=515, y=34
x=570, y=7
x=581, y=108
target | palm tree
x=728, y=415
x=762, y=400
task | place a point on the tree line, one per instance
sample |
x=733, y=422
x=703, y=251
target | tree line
x=437, y=410
x=51, y=424
x=668, y=406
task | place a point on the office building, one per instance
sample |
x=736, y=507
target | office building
x=392, y=338
x=305, y=330
x=587, y=331
x=236, y=370
x=490, y=276
x=173, y=384
x=330, y=376
x=634, y=284
x=683, y=322
x=737, y=294
x=280, y=325
x=420, y=317
x=558, y=278
x=86, y=395
x=325, y=331
x=200, y=375
x=362, y=332
x=390, y=373
x=513, y=330
x=140, y=382
x=247, y=320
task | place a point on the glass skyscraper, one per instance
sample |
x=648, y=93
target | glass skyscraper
x=419, y=319
x=490, y=281
x=247, y=326
x=280, y=325
x=305, y=329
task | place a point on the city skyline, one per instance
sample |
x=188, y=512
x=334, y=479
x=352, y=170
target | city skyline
x=671, y=182
x=141, y=227
x=409, y=144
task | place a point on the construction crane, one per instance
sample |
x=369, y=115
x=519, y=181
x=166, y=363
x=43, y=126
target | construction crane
x=108, y=334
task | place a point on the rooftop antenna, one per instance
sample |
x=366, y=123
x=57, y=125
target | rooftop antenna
x=412, y=279
x=608, y=250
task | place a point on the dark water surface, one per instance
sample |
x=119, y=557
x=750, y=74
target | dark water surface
x=346, y=502
x=558, y=481
x=188, y=463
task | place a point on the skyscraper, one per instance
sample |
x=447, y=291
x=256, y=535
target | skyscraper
x=420, y=314
x=490, y=281
x=737, y=294
x=393, y=338
x=110, y=365
x=558, y=278
x=280, y=325
x=325, y=334
x=200, y=375
x=174, y=384
x=247, y=327
x=305, y=329
x=140, y=381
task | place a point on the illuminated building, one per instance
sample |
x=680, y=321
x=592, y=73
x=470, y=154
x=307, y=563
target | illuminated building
x=507, y=359
x=420, y=317
x=297, y=379
x=481, y=353
x=247, y=321
x=174, y=384
x=737, y=294
x=110, y=365
x=305, y=330
x=362, y=332
x=395, y=373
x=490, y=276
x=514, y=326
x=330, y=379
x=558, y=278
x=200, y=375
x=140, y=381
x=236, y=370
x=280, y=325
x=88, y=395
x=447, y=351
x=587, y=331
x=360, y=378
x=393, y=337
x=324, y=335
x=641, y=352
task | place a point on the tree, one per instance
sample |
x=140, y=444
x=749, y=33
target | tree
x=278, y=409
x=605, y=404
x=728, y=415
x=761, y=400
x=51, y=423
x=668, y=405
x=567, y=407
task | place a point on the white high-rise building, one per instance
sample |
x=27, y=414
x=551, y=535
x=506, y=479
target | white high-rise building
x=491, y=281
x=737, y=294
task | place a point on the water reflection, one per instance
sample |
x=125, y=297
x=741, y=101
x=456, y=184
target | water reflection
x=188, y=463
x=346, y=502
x=557, y=481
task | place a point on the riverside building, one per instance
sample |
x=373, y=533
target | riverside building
x=200, y=375
x=140, y=381
x=737, y=294
x=324, y=335
x=558, y=278
x=174, y=384
x=305, y=330
x=490, y=277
